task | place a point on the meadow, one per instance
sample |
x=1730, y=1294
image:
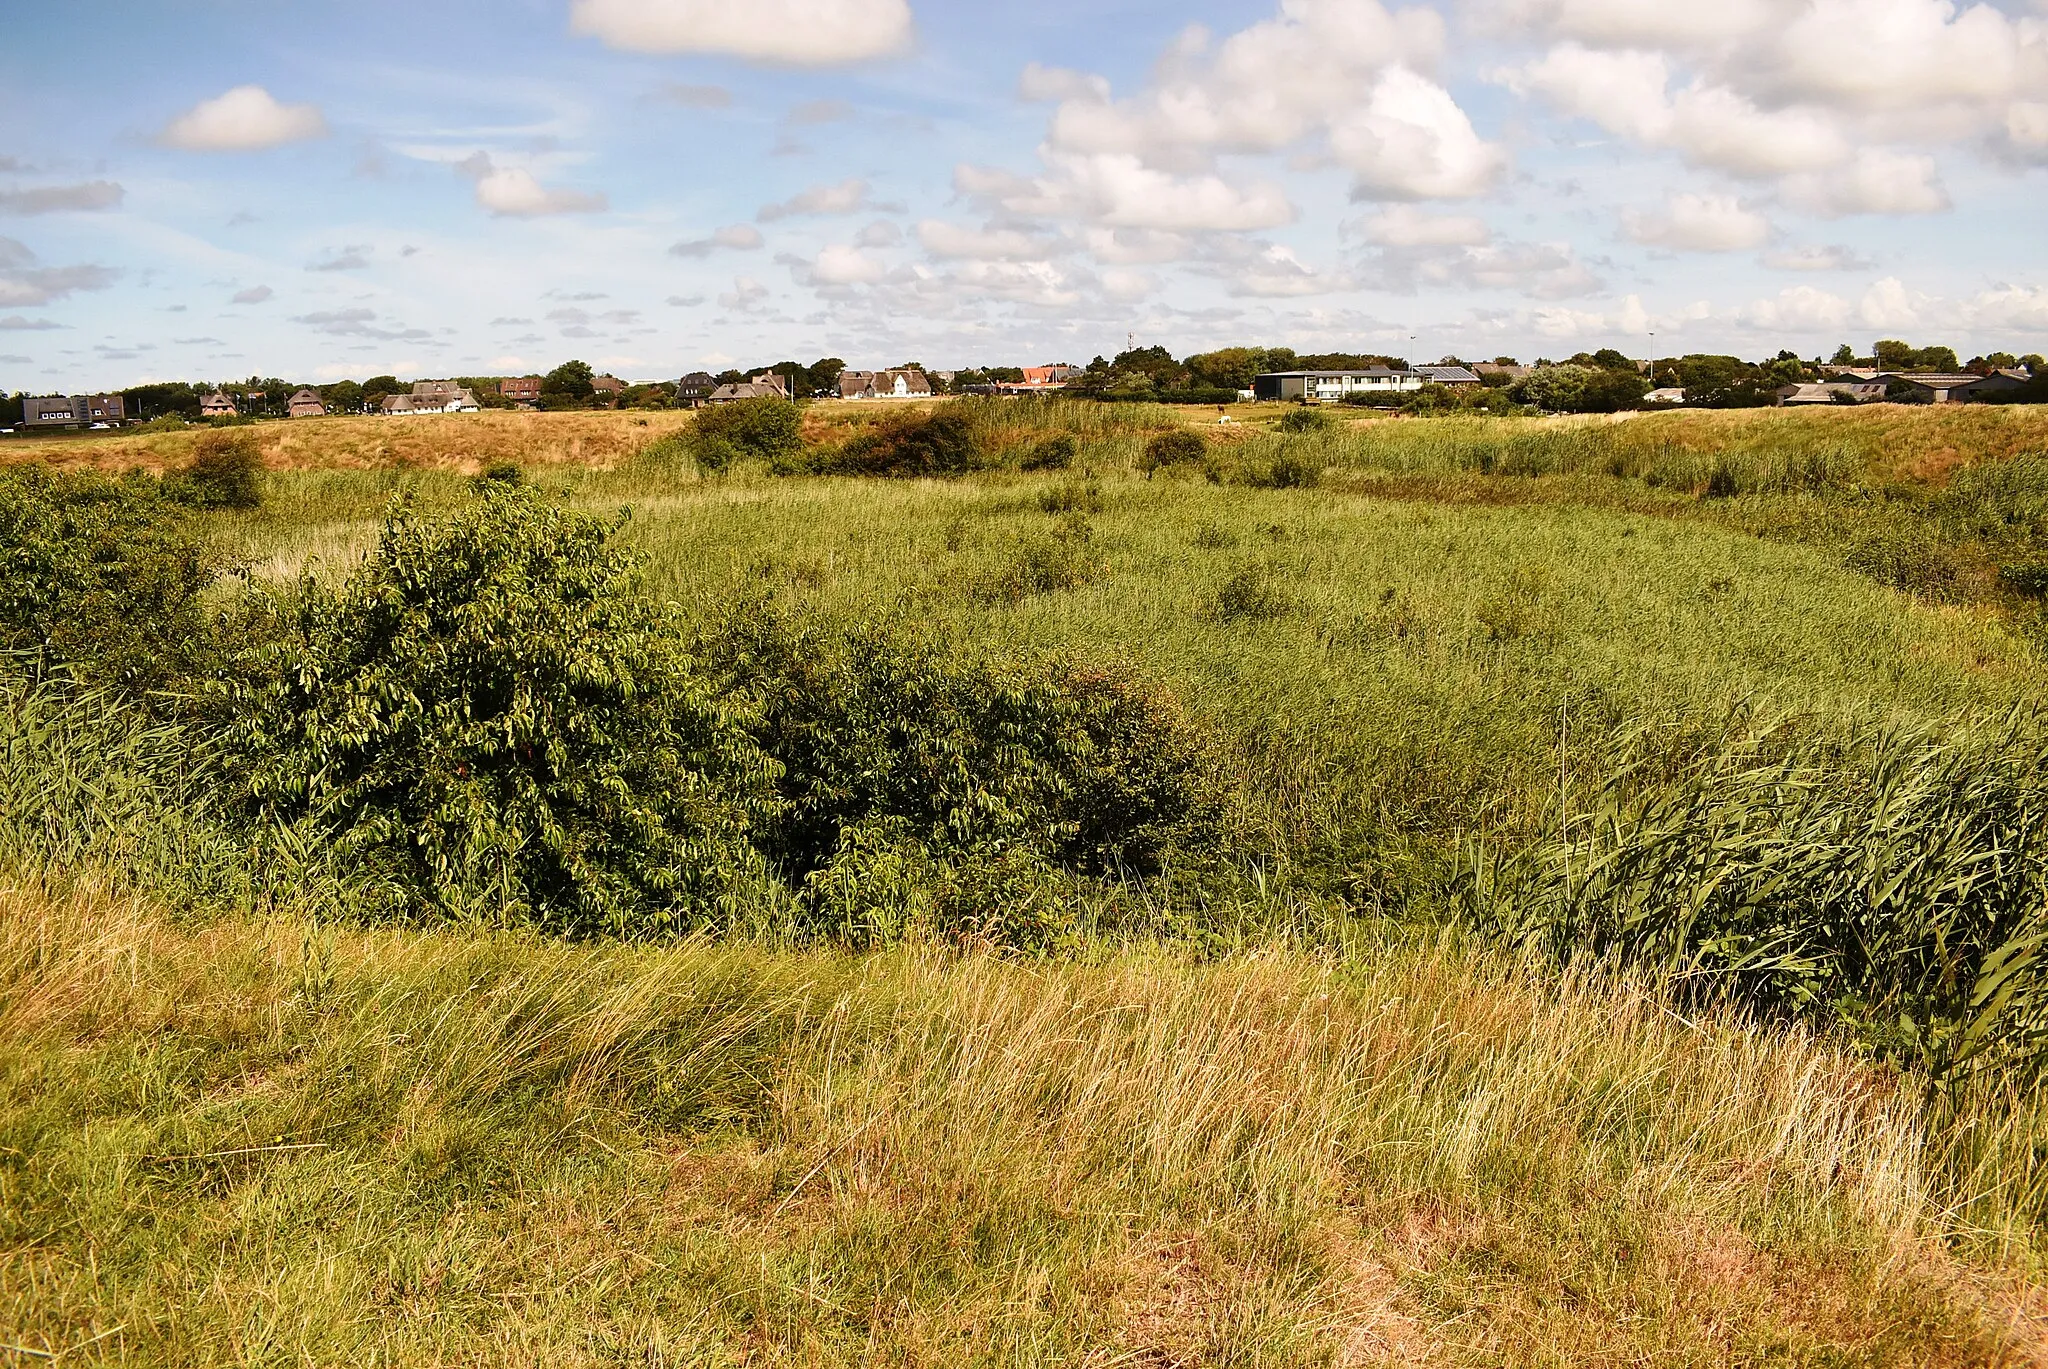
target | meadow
x=1427, y=1069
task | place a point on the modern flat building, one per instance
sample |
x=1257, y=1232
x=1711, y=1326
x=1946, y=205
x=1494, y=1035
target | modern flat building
x=1332, y=387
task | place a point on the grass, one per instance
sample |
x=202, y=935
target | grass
x=251, y=1142
x=232, y=1133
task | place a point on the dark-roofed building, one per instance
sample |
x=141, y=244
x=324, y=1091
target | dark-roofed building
x=1448, y=375
x=521, y=389
x=696, y=388
x=1332, y=387
x=216, y=405
x=55, y=411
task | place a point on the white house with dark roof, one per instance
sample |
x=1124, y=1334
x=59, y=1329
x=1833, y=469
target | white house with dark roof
x=897, y=384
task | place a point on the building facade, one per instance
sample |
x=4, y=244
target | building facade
x=1334, y=387
x=521, y=389
x=898, y=384
x=307, y=404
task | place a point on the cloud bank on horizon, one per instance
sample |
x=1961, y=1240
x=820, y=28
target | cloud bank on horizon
x=657, y=185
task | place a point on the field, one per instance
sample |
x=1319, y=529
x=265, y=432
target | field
x=1321, y=1115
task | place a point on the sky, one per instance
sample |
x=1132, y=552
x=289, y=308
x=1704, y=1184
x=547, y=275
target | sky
x=220, y=188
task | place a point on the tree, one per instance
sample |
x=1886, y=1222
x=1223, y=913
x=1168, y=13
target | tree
x=763, y=429
x=379, y=388
x=568, y=384
x=1724, y=382
x=10, y=409
x=155, y=401
x=342, y=397
x=2034, y=363
x=1893, y=355
x=1576, y=389
x=822, y=376
x=1845, y=355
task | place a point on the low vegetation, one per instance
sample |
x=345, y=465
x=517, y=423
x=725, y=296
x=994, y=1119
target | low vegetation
x=1076, y=883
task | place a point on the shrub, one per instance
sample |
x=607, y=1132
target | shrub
x=226, y=472
x=1174, y=448
x=1305, y=420
x=104, y=577
x=501, y=473
x=763, y=429
x=1079, y=766
x=1286, y=471
x=1053, y=454
x=1248, y=595
x=1072, y=496
x=943, y=442
x=489, y=717
x=1043, y=564
x=2027, y=579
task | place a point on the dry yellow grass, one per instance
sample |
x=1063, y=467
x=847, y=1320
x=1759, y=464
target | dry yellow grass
x=266, y=1143
x=452, y=442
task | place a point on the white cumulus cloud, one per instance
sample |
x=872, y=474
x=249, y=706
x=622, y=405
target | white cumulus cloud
x=515, y=192
x=804, y=33
x=1403, y=225
x=1699, y=223
x=847, y=197
x=245, y=119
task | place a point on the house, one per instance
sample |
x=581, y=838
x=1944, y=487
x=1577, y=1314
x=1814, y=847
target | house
x=307, y=404
x=433, y=397
x=1331, y=387
x=1050, y=377
x=695, y=388
x=1928, y=387
x=1670, y=397
x=55, y=411
x=1448, y=375
x=521, y=389
x=767, y=385
x=900, y=384
x=606, y=389
x=216, y=405
x=1997, y=382
x=1831, y=392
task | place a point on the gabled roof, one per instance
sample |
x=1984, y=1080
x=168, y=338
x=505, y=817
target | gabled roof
x=1447, y=374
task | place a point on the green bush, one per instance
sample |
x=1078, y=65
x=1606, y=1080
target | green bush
x=1173, y=448
x=1081, y=767
x=488, y=716
x=104, y=577
x=2027, y=579
x=501, y=473
x=226, y=472
x=1053, y=454
x=943, y=442
x=1305, y=420
x=1288, y=470
x=764, y=429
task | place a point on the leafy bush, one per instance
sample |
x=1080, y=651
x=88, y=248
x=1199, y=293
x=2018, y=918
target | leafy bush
x=1174, y=448
x=1053, y=454
x=226, y=472
x=1081, y=767
x=489, y=717
x=1893, y=886
x=943, y=442
x=501, y=473
x=763, y=429
x=1303, y=419
x=103, y=577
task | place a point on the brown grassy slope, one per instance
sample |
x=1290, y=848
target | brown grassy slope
x=459, y=442
x=267, y=1143
x=1916, y=442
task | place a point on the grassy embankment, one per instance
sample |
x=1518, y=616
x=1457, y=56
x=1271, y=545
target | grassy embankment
x=248, y=1139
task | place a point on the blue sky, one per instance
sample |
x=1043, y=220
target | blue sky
x=224, y=187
